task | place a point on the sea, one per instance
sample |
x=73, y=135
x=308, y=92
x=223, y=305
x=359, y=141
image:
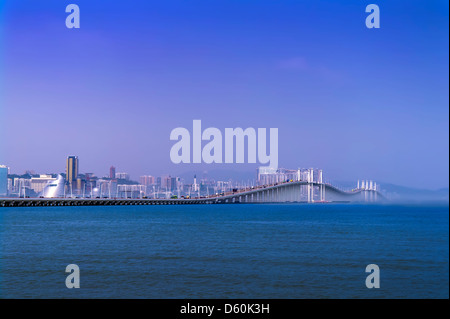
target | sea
x=273, y=251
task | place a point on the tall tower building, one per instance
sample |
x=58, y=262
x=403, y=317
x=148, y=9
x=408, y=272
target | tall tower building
x=71, y=169
x=195, y=186
x=3, y=180
x=112, y=172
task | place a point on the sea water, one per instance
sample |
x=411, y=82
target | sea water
x=226, y=251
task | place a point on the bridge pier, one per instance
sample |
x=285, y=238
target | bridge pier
x=322, y=192
x=310, y=193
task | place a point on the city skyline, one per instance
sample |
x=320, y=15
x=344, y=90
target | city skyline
x=239, y=177
x=353, y=101
x=271, y=185
x=164, y=181
x=35, y=184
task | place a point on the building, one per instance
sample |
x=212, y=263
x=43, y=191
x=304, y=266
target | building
x=106, y=187
x=81, y=186
x=72, y=167
x=158, y=183
x=130, y=191
x=174, y=183
x=3, y=180
x=38, y=183
x=223, y=186
x=195, y=187
x=112, y=172
x=55, y=188
x=268, y=175
x=122, y=176
x=88, y=176
x=165, y=182
x=21, y=186
x=147, y=180
x=10, y=186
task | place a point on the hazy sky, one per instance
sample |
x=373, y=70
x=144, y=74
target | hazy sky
x=357, y=102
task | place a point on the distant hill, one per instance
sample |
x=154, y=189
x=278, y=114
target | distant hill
x=396, y=192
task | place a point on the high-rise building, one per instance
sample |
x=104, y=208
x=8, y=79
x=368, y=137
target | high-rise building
x=146, y=180
x=174, y=183
x=71, y=169
x=3, y=180
x=195, y=185
x=158, y=182
x=165, y=182
x=10, y=185
x=112, y=172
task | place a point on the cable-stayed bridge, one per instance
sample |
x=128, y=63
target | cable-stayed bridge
x=284, y=192
x=301, y=191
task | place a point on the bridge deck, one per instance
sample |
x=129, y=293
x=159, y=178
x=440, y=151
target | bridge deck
x=251, y=195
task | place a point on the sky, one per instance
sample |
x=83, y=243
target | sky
x=359, y=103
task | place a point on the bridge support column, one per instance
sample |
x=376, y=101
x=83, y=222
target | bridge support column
x=310, y=193
x=322, y=192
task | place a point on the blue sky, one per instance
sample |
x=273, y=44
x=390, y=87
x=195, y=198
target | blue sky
x=359, y=103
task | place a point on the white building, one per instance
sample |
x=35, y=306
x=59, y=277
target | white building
x=38, y=183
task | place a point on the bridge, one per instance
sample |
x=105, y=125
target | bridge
x=301, y=191
x=284, y=192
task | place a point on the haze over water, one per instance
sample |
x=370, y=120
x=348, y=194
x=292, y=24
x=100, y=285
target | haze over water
x=226, y=251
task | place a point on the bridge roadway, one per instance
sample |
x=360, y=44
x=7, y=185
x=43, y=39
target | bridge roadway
x=275, y=193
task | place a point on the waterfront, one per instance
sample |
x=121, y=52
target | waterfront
x=225, y=251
